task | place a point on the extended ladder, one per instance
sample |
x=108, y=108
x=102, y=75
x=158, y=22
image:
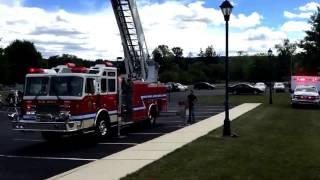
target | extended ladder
x=132, y=36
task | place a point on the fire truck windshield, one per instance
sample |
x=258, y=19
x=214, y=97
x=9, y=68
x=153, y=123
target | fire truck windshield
x=37, y=86
x=66, y=86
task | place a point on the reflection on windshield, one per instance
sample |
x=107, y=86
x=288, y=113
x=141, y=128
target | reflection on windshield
x=306, y=89
x=37, y=86
x=66, y=86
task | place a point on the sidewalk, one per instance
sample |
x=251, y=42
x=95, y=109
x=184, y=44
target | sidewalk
x=120, y=164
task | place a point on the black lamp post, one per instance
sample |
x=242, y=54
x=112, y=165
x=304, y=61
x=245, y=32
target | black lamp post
x=226, y=9
x=270, y=85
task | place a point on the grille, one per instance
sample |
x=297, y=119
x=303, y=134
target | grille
x=48, y=108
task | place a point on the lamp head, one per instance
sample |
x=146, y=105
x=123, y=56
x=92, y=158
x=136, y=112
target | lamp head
x=226, y=9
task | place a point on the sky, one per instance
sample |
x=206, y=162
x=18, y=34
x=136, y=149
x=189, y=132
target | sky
x=88, y=29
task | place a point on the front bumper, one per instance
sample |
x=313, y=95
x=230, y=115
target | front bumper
x=305, y=102
x=42, y=124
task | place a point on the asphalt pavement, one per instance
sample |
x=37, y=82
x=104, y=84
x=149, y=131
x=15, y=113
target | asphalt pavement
x=28, y=156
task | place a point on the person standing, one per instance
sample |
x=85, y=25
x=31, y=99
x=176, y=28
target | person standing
x=191, y=101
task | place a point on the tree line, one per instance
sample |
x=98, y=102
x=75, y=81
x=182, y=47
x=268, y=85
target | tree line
x=207, y=65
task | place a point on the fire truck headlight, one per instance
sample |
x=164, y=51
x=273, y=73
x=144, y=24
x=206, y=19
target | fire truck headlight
x=64, y=116
x=30, y=112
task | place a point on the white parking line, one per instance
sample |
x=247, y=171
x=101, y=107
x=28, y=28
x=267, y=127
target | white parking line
x=118, y=143
x=47, y=158
x=147, y=133
x=30, y=140
x=162, y=121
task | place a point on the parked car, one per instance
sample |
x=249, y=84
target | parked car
x=182, y=87
x=279, y=87
x=176, y=87
x=203, y=85
x=261, y=86
x=305, y=95
x=244, y=88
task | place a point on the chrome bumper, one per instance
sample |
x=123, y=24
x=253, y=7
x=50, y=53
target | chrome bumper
x=304, y=102
x=46, y=126
x=41, y=123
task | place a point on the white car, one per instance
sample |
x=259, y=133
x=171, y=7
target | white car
x=305, y=95
x=261, y=86
x=182, y=87
x=279, y=87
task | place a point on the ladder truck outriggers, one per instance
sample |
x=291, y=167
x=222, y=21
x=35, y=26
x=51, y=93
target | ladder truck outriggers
x=69, y=99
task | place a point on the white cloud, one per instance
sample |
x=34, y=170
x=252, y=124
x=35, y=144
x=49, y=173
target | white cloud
x=312, y=6
x=242, y=21
x=305, y=11
x=295, y=26
x=256, y=40
x=303, y=15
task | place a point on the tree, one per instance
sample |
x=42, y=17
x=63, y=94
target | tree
x=177, y=52
x=156, y=55
x=21, y=55
x=311, y=43
x=210, y=52
x=285, y=51
x=165, y=51
x=201, y=53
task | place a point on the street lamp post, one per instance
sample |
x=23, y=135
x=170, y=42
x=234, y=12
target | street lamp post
x=270, y=85
x=226, y=9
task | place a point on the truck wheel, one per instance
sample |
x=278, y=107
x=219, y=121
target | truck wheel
x=102, y=127
x=51, y=136
x=152, y=116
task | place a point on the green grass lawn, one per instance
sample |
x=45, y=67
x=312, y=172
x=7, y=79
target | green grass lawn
x=276, y=142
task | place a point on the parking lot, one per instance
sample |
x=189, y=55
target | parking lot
x=28, y=156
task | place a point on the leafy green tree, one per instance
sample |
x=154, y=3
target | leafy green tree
x=177, y=52
x=283, y=63
x=201, y=53
x=21, y=55
x=311, y=43
x=210, y=52
x=4, y=69
x=68, y=58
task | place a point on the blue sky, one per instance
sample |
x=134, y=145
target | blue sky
x=87, y=28
x=271, y=10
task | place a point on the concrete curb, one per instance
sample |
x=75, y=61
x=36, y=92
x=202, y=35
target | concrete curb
x=130, y=160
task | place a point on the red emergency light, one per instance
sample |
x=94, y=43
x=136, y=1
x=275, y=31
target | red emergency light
x=70, y=65
x=79, y=70
x=314, y=79
x=35, y=70
x=108, y=64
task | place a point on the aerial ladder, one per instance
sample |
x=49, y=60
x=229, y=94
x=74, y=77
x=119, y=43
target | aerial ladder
x=138, y=65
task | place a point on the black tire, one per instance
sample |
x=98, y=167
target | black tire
x=102, y=128
x=51, y=136
x=152, y=116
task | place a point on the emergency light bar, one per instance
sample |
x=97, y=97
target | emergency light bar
x=306, y=78
x=36, y=70
x=79, y=70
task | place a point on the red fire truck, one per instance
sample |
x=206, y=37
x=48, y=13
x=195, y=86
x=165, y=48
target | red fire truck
x=68, y=99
